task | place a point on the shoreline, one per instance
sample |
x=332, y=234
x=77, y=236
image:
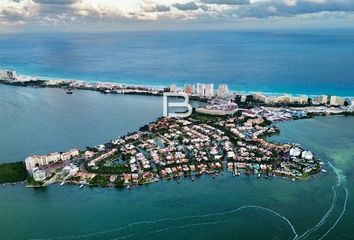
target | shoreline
x=24, y=78
x=89, y=169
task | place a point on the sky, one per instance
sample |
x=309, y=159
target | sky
x=115, y=15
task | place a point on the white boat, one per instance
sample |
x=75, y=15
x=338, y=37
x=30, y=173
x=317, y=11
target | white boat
x=81, y=186
x=324, y=170
x=62, y=183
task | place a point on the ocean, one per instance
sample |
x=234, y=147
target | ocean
x=44, y=120
x=36, y=121
x=277, y=61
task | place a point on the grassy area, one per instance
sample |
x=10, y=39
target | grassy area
x=100, y=181
x=12, y=172
x=32, y=183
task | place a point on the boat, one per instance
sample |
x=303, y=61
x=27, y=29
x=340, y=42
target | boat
x=62, y=183
x=69, y=92
x=324, y=170
x=258, y=175
x=81, y=186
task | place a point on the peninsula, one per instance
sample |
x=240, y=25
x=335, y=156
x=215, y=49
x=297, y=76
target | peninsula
x=227, y=135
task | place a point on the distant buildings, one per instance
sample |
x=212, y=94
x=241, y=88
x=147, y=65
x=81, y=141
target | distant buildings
x=205, y=90
x=8, y=75
x=351, y=107
x=321, y=99
x=285, y=99
x=173, y=88
x=337, y=101
x=223, y=90
x=189, y=89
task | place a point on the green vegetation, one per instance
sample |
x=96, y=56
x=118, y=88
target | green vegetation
x=203, y=117
x=32, y=183
x=100, y=181
x=12, y=172
x=119, y=183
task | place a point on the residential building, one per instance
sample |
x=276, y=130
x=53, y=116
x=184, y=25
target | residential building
x=173, y=88
x=189, y=89
x=39, y=175
x=322, y=99
x=206, y=90
x=42, y=160
x=337, y=101
x=223, y=90
x=209, y=90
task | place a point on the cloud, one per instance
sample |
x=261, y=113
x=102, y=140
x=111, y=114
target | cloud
x=17, y=12
x=186, y=6
x=50, y=12
x=227, y=2
x=55, y=2
x=288, y=8
x=156, y=8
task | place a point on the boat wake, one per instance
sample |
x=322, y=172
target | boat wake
x=307, y=234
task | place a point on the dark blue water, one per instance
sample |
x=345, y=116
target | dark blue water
x=306, y=61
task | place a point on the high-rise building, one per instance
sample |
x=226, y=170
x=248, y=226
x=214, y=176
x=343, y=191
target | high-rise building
x=209, y=90
x=299, y=99
x=189, y=89
x=8, y=75
x=223, y=90
x=351, y=108
x=173, y=88
x=206, y=90
x=337, y=101
x=200, y=89
x=322, y=99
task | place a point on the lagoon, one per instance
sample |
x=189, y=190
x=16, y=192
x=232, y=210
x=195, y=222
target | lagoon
x=44, y=120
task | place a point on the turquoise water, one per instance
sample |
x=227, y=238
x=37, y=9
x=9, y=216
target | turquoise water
x=293, y=61
x=223, y=208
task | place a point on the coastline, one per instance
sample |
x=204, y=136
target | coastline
x=224, y=167
x=159, y=88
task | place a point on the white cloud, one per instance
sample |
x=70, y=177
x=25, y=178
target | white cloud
x=17, y=12
x=35, y=12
